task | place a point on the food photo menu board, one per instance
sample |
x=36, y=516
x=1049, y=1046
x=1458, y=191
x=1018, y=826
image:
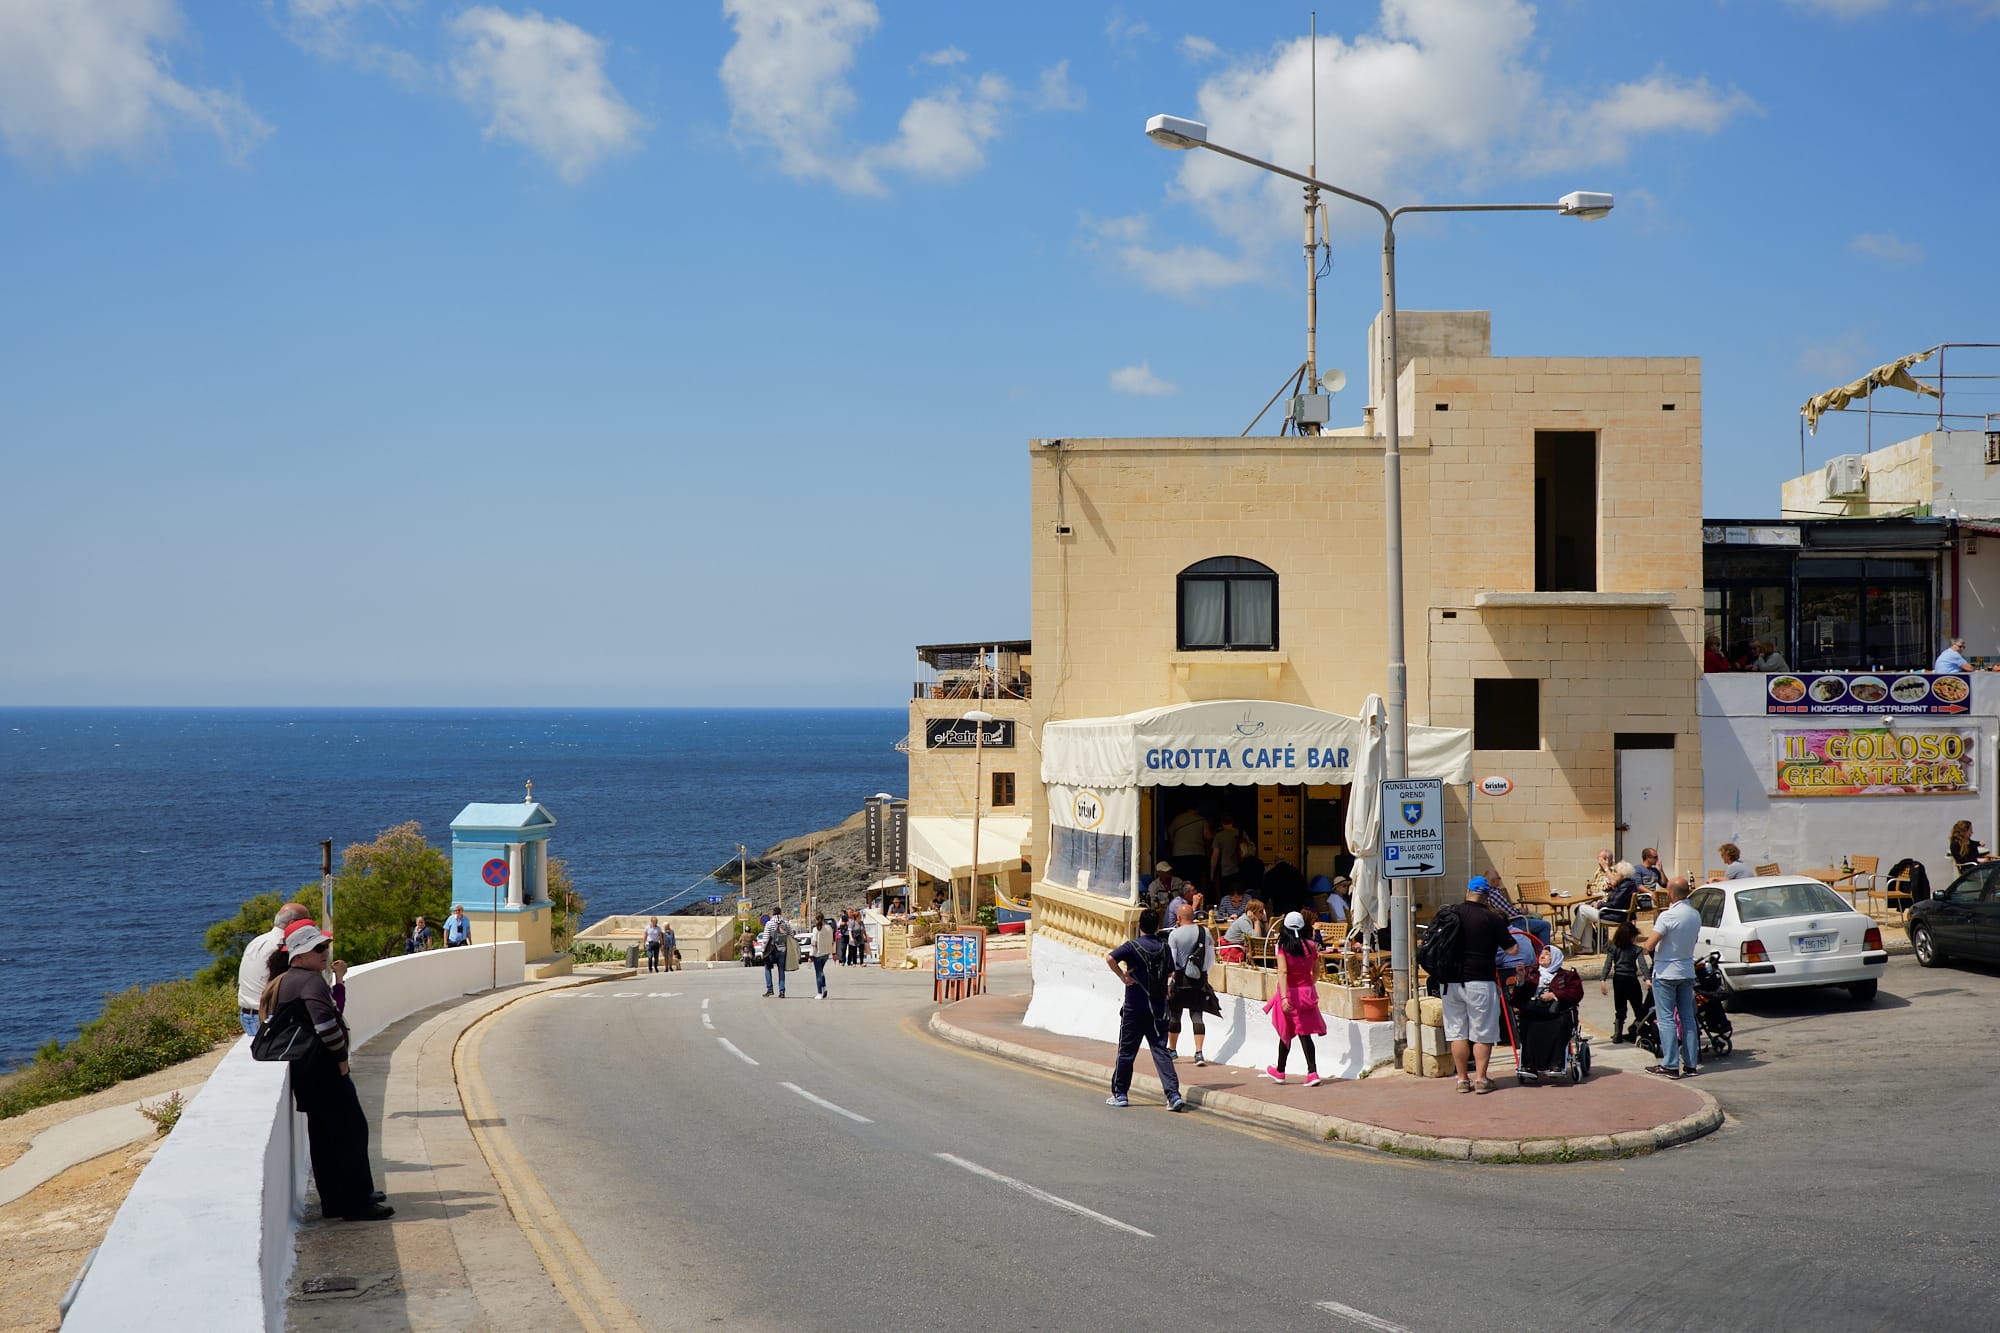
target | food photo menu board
x=1868, y=692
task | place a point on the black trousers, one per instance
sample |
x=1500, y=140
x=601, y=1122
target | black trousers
x=1625, y=991
x=337, y=1134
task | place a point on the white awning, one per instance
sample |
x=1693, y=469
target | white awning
x=941, y=845
x=1232, y=743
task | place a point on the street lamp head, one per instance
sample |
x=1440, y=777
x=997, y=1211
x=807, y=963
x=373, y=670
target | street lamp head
x=1173, y=132
x=1587, y=204
x=977, y=715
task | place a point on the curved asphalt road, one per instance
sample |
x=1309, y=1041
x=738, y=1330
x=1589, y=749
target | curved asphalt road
x=863, y=1175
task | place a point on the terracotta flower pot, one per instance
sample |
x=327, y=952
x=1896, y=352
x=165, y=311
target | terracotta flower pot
x=1375, y=1008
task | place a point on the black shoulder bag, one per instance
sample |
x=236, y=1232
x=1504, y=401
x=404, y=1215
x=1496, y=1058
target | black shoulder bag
x=288, y=1034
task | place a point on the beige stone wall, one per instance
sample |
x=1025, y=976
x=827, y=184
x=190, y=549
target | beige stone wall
x=941, y=781
x=1141, y=510
x=1899, y=475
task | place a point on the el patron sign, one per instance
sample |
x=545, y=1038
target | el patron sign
x=955, y=733
x=1876, y=762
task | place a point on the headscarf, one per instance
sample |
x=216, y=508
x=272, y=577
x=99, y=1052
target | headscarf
x=1553, y=966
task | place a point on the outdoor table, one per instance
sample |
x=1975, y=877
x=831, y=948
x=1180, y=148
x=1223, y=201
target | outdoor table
x=1833, y=877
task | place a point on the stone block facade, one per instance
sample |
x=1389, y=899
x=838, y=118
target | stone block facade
x=1115, y=521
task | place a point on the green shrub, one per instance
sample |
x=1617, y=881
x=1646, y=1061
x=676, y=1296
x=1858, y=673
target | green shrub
x=590, y=951
x=140, y=1031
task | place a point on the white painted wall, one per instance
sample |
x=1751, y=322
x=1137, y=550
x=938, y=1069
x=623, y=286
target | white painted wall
x=1803, y=832
x=1076, y=995
x=1978, y=596
x=204, y=1240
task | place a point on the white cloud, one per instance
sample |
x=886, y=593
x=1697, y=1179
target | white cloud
x=786, y=80
x=1198, y=50
x=1886, y=246
x=83, y=77
x=1125, y=32
x=950, y=55
x=1836, y=357
x=328, y=28
x=1140, y=381
x=542, y=84
x=1180, y=270
x=1056, y=92
x=1443, y=95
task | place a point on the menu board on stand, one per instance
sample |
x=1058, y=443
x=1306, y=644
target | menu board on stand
x=959, y=965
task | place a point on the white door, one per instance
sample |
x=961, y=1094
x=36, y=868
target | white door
x=1646, y=804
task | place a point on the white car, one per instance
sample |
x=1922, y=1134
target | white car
x=1787, y=930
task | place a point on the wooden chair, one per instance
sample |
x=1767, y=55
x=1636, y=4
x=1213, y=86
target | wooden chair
x=1897, y=890
x=1771, y=868
x=1864, y=878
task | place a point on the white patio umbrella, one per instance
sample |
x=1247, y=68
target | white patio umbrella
x=1369, y=902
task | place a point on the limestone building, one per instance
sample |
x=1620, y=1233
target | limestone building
x=1553, y=580
x=957, y=763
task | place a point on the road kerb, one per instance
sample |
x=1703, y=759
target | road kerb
x=1352, y=1133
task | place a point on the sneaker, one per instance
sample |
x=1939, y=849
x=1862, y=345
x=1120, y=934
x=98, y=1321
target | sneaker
x=1273, y=1073
x=769, y=994
x=1312, y=1080
x=1199, y=1060
x=1465, y=1085
x=1482, y=1086
x=1115, y=1100
x=1177, y=1104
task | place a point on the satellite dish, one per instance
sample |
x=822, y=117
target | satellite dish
x=1333, y=381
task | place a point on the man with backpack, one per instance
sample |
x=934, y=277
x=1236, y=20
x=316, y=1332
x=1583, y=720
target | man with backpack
x=1143, y=965
x=1192, y=951
x=1458, y=953
x=775, y=944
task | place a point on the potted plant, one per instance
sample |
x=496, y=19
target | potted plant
x=1375, y=1004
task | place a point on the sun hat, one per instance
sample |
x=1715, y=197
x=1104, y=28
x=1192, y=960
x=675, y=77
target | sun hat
x=304, y=937
x=1164, y=867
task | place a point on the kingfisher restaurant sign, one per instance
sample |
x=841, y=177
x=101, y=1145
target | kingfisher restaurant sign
x=1866, y=692
x=955, y=733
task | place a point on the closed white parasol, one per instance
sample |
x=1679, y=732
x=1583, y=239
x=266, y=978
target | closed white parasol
x=1370, y=902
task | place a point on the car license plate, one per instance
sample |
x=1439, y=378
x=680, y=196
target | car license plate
x=1814, y=943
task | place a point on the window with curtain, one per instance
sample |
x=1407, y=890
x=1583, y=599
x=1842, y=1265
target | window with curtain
x=1228, y=602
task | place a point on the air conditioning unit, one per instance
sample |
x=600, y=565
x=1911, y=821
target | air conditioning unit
x=1993, y=446
x=1847, y=478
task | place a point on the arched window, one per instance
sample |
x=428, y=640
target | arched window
x=1228, y=602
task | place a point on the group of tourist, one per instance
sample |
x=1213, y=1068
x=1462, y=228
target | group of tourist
x=457, y=932
x=779, y=947
x=1749, y=655
x=284, y=977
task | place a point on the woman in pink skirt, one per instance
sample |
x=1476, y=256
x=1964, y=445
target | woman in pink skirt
x=1294, y=1010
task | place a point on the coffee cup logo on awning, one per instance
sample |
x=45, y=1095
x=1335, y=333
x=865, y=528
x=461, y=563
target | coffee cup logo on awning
x=1088, y=809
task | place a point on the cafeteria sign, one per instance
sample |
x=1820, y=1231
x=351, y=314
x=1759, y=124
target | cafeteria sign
x=1864, y=692
x=1876, y=762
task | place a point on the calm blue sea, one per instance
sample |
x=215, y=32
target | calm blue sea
x=125, y=832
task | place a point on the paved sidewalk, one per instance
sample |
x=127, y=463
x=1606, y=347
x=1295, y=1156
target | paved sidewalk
x=1617, y=1112
x=453, y=1257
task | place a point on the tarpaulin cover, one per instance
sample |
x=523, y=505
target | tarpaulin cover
x=941, y=845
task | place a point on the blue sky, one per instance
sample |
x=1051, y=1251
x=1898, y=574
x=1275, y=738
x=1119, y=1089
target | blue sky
x=395, y=352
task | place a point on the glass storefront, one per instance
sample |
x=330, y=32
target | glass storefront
x=1824, y=607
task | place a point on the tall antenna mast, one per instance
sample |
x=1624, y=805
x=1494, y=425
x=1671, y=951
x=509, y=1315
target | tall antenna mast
x=1312, y=238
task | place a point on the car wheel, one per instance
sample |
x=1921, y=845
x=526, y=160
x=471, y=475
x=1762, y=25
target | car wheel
x=1924, y=945
x=1864, y=991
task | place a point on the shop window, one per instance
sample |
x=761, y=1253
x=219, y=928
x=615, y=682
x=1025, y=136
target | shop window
x=1507, y=714
x=1228, y=602
x=1003, y=789
x=1565, y=511
x=1864, y=614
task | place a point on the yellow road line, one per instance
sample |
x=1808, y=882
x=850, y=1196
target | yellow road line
x=580, y=1282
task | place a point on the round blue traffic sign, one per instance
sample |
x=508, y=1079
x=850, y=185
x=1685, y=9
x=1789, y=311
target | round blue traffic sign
x=494, y=872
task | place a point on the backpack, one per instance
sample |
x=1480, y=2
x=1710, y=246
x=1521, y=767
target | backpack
x=1196, y=965
x=1439, y=953
x=1153, y=969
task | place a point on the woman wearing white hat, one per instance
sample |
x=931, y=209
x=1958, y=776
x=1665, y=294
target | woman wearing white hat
x=1294, y=1009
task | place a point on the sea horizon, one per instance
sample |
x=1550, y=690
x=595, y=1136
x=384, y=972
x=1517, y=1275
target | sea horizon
x=168, y=818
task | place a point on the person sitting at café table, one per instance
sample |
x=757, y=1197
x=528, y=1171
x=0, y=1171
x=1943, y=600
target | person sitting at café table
x=1733, y=865
x=1711, y=655
x=1616, y=907
x=1952, y=659
x=1492, y=893
x=1234, y=903
x=1249, y=926
x=1330, y=894
x=1966, y=850
x=1768, y=657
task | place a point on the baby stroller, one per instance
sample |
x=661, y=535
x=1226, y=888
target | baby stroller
x=1711, y=1019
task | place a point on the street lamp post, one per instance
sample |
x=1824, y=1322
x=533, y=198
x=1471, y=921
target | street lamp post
x=978, y=718
x=1173, y=132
